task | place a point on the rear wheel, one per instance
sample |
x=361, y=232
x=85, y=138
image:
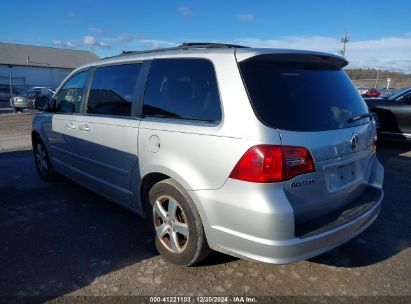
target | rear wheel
x=42, y=161
x=179, y=233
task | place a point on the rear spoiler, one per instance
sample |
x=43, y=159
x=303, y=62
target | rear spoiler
x=294, y=56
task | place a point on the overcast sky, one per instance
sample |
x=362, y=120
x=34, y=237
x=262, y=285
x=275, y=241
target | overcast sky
x=380, y=31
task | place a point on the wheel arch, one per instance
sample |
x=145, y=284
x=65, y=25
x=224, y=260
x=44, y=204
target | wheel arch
x=147, y=182
x=35, y=134
x=150, y=179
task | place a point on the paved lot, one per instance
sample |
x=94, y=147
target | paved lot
x=59, y=239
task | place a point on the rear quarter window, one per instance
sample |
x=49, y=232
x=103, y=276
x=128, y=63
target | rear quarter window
x=182, y=89
x=302, y=97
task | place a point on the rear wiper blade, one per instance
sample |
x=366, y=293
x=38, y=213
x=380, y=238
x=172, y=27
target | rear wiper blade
x=359, y=117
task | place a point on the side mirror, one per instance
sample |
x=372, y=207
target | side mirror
x=41, y=103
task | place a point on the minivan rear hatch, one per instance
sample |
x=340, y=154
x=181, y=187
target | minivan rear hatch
x=312, y=103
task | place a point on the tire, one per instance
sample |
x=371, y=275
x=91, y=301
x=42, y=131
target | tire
x=42, y=161
x=377, y=121
x=179, y=235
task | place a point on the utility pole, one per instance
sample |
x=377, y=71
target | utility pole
x=11, y=92
x=344, y=40
x=376, y=79
x=91, y=47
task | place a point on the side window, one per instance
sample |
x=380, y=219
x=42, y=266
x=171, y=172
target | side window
x=68, y=99
x=406, y=99
x=182, y=89
x=112, y=90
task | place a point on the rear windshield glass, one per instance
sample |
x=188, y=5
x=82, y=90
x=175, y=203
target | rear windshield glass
x=302, y=97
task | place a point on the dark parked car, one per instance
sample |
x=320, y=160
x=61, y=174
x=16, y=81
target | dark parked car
x=393, y=113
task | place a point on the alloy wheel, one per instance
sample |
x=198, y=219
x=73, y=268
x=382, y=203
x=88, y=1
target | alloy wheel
x=41, y=158
x=170, y=224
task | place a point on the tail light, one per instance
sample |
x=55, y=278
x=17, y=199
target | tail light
x=269, y=164
x=375, y=141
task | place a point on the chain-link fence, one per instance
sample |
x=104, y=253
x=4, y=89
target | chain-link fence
x=14, y=85
x=15, y=89
x=393, y=83
x=9, y=91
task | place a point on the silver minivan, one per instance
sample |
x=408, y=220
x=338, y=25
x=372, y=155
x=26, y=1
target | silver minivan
x=263, y=154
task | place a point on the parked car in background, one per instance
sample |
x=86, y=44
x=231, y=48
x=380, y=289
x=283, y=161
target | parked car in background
x=5, y=93
x=393, y=113
x=386, y=92
x=35, y=98
x=222, y=147
x=372, y=93
x=44, y=90
x=362, y=90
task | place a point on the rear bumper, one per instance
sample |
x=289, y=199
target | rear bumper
x=256, y=221
x=22, y=104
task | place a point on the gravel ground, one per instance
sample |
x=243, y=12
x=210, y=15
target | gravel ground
x=61, y=240
x=15, y=131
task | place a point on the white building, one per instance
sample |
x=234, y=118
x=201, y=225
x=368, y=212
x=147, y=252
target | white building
x=27, y=66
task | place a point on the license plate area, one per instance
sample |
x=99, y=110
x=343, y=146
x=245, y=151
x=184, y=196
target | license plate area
x=342, y=176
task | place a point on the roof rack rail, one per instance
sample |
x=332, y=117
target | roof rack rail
x=183, y=46
x=210, y=45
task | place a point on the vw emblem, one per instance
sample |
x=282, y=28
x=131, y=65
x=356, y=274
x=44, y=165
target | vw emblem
x=354, y=141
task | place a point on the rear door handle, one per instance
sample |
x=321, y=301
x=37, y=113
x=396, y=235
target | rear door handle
x=84, y=128
x=71, y=125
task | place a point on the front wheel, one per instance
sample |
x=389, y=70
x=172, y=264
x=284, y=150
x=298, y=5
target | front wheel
x=179, y=233
x=42, y=161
